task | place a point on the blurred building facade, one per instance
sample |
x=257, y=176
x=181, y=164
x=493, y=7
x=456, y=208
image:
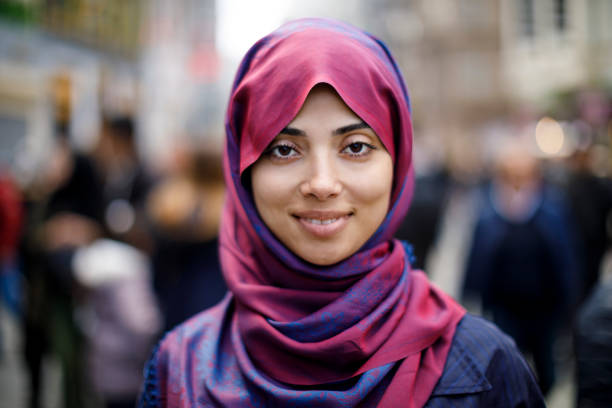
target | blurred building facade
x=464, y=61
x=155, y=60
x=469, y=61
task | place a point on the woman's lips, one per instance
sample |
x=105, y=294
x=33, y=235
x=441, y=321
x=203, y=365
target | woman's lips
x=323, y=224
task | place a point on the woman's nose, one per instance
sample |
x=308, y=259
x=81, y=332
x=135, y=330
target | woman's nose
x=322, y=181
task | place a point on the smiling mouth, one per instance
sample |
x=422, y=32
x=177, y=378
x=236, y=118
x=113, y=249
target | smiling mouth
x=323, y=224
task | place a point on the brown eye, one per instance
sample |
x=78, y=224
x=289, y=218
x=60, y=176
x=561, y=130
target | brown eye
x=358, y=149
x=284, y=150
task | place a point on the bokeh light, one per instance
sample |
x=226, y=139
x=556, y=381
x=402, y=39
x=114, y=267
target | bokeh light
x=549, y=136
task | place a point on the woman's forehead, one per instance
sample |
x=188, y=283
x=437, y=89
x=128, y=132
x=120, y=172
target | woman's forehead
x=323, y=102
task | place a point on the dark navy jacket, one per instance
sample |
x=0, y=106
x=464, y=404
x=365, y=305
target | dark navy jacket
x=484, y=369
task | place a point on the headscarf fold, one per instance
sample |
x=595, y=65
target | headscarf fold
x=366, y=331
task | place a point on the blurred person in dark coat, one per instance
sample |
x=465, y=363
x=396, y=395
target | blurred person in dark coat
x=588, y=184
x=593, y=341
x=126, y=181
x=432, y=184
x=590, y=198
x=522, y=263
x=421, y=224
x=64, y=211
x=185, y=209
x=119, y=317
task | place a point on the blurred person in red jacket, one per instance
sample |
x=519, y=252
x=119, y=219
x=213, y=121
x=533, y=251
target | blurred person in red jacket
x=10, y=230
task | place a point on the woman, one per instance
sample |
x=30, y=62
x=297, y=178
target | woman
x=324, y=309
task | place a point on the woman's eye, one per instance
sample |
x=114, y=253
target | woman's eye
x=283, y=151
x=358, y=149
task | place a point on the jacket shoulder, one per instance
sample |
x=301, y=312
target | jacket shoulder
x=484, y=368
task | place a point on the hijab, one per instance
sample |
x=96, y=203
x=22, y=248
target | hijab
x=366, y=331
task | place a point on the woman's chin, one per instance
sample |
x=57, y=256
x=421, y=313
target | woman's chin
x=324, y=255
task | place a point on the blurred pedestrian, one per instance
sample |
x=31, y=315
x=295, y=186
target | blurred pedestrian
x=119, y=318
x=522, y=263
x=185, y=209
x=126, y=181
x=11, y=219
x=590, y=199
x=118, y=314
x=593, y=345
x=63, y=213
x=421, y=225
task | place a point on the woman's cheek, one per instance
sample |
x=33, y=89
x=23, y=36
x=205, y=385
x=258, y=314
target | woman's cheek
x=372, y=184
x=273, y=184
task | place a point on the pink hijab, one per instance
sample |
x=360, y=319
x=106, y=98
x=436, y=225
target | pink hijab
x=366, y=331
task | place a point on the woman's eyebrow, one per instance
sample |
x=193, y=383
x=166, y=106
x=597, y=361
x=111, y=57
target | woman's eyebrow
x=293, y=131
x=340, y=131
x=349, y=128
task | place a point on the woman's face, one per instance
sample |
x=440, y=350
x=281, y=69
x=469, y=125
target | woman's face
x=324, y=183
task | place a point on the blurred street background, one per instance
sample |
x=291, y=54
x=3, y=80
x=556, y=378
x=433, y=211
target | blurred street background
x=111, y=131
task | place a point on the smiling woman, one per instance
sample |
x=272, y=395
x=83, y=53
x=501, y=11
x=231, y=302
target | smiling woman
x=323, y=185
x=324, y=308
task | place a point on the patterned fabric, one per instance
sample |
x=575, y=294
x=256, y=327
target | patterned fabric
x=483, y=369
x=366, y=331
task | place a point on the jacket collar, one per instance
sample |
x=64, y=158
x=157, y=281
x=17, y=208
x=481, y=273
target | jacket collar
x=463, y=373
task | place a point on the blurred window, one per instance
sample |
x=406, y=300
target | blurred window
x=476, y=14
x=560, y=15
x=526, y=22
x=12, y=129
x=599, y=15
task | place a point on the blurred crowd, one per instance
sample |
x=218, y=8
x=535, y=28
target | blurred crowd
x=100, y=255
x=535, y=250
